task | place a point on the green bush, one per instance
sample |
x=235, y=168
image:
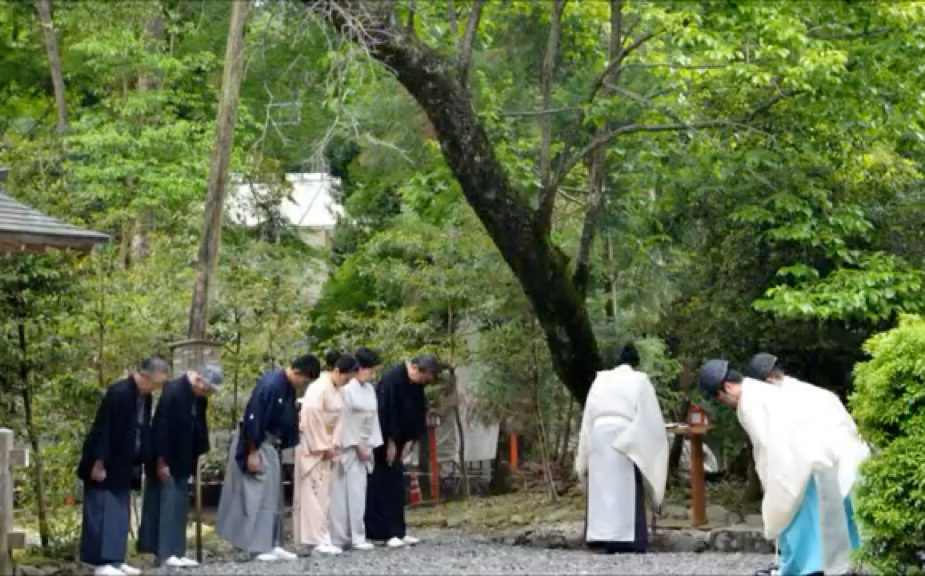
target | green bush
x=888, y=406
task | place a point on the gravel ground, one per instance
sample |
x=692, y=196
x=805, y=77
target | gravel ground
x=448, y=553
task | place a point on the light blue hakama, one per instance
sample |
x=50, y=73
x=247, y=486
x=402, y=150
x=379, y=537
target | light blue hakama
x=822, y=534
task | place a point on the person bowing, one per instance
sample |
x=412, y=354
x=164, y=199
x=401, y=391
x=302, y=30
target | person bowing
x=249, y=508
x=179, y=436
x=110, y=466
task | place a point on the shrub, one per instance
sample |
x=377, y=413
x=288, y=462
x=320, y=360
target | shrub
x=887, y=405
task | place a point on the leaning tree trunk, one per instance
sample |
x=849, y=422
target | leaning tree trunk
x=540, y=267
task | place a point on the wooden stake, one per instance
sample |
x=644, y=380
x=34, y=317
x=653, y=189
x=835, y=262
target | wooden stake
x=513, y=444
x=6, y=502
x=198, y=496
x=698, y=487
x=434, y=466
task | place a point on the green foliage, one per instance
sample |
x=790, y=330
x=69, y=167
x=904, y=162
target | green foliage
x=887, y=405
x=793, y=225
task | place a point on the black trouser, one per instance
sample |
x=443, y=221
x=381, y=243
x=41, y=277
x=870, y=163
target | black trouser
x=385, y=497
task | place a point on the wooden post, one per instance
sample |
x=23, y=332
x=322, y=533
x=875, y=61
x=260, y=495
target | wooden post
x=6, y=501
x=434, y=466
x=698, y=487
x=9, y=540
x=191, y=355
x=513, y=444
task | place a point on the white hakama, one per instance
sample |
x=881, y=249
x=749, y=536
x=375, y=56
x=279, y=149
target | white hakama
x=359, y=426
x=623, y=450
x=614, y=490
x=797, y=459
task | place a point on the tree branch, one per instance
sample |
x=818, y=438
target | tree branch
x=547, y=195
x=539, y=266
x=672, y=65
x=612, y=67
x=597, y=163
x=451, y=17
x=607, y=137
x=640, y=99
x=515, y=113
x=412, y=8
x=467, y=41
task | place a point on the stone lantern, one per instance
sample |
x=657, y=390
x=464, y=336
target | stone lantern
x=193, y=354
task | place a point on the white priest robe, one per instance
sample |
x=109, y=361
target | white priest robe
x=359, y=427
x=623, y=450
x=796, y=459
x=850, y=449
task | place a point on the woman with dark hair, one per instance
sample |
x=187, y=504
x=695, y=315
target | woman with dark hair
x=331, y=355
x=359, y=434
x=622, y=456
x=319, y=420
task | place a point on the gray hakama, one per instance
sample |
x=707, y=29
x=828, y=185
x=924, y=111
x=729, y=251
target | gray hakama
x=249, y=509
x=615, y=517
x=163, y=518
x=104, y=533
x=348, y=502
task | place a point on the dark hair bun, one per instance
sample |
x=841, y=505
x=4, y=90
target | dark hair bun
x=330, y=357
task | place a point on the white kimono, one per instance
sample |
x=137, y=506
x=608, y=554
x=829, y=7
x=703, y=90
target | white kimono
x=796, y=459
x=850, y=449
x=622, y=431
x=359, y=426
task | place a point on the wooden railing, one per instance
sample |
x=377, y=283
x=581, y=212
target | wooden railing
x=10, y=540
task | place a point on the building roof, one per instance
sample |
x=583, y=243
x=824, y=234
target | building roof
x=24, y=229
x=310, y=204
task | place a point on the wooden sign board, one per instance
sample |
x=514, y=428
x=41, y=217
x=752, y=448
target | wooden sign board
x=19, y=457
x=16, y=540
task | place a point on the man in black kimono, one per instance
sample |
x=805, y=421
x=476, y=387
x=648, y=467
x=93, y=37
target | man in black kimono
x=110, y=466
x=179, y=436
x=249, y=509
x=403, y=419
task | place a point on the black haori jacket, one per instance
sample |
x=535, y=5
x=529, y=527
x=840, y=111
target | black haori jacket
x=112, y=437
x=402, y=406
x=179, y=431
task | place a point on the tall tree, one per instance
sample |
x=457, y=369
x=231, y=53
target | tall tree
x=218, y=170
x=522, y=234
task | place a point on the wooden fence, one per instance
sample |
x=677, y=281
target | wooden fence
x=10, y=540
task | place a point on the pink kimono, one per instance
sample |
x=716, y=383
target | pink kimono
x=319, y=420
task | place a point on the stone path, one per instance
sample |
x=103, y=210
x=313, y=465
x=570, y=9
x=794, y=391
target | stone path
x=444, y=552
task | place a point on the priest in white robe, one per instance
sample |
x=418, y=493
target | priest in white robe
x=357, y=436
x=852, y=450
x=622, y=456
x=796, y=458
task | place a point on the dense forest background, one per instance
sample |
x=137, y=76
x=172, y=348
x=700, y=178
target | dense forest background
x=704, y=178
